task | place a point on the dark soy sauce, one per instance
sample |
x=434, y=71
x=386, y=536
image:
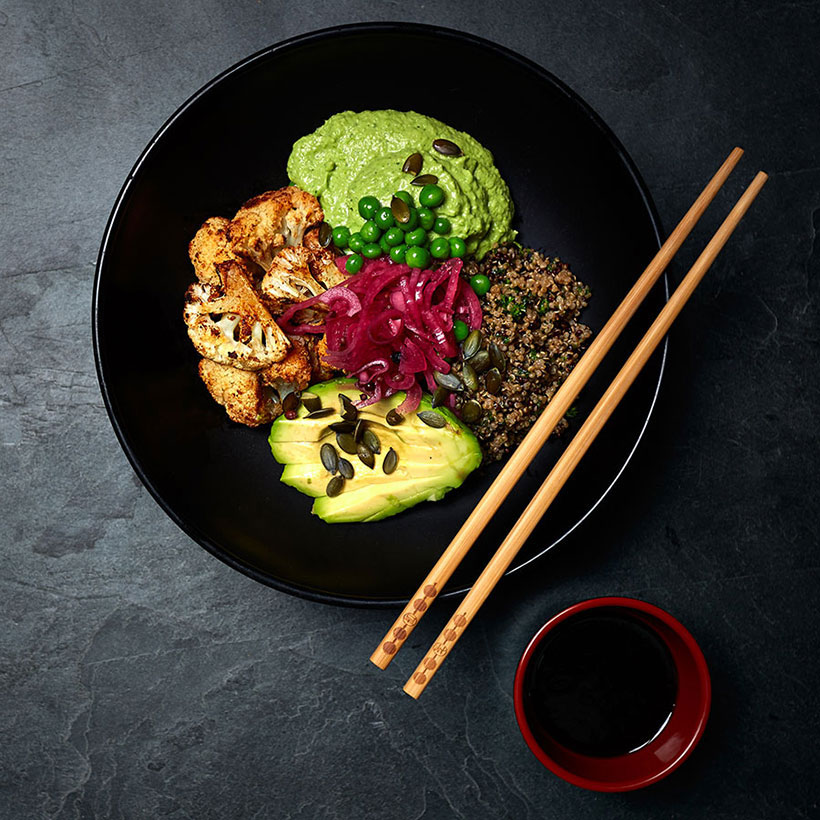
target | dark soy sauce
x=602, y=683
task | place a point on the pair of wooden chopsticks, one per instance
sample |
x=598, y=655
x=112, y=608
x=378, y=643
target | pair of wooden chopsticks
x=540, y=431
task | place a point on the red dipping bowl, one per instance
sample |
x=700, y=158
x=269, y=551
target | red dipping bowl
x=665, y=752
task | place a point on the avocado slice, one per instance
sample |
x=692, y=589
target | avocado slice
x=431, y=461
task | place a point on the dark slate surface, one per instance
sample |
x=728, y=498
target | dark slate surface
x=142, y=678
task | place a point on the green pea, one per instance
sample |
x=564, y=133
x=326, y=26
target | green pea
x=417, y=257
x=355, y=243
x=368, y=205
x=394, y=236
x=480, y=284
x=404, y=196
x=442, y=225
x=397, y=253
x=354, y=263
x=411, y=223
x=431, y=196
x=370, y=231
x=341, y=236
x=372, y=250
x=461, y=330
x=458, y=247
x=440, y=248
x=384, y=218
x=383, y=244
x=426, y=218
x=416, y=237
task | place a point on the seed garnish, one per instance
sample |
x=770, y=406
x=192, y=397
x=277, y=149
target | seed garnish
x=329, y=457
x=320, y=413
x=448, y=148
x=480, y=362
x=424, y=179
x=497, y=357
x=448, y=380
x=345, y=468
x=492, y=381
x=469, y=378
x=349, y=410
x=371, y=441
x=440, y=396
x=290, y=405
x=334, y=486
x=325, y=234
x=400, y=210
x=311, y=401
x=390, y=462
x=412, y=165
x=471, y=411
x=431, y=418
x=347, y=443
x=471, y=345
x=365, y=456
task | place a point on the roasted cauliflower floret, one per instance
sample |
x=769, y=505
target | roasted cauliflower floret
x=210, y=247
x=241, y=392
x=323, y=267
x=289, y=278
x=317, y=347
x=292, y=373
x=228, y=323
x=269, y=222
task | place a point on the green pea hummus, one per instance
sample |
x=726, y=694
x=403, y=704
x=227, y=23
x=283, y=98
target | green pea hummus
x=361, y=154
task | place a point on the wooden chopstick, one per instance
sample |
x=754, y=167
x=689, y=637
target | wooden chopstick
x=544, y=425
x=577, y=448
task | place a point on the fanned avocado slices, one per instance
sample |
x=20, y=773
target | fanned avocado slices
x=430, y=461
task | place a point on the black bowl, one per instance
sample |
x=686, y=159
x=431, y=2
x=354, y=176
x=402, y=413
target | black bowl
x=577, y=195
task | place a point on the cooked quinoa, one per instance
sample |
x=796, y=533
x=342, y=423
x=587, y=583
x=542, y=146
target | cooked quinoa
x=531, y=312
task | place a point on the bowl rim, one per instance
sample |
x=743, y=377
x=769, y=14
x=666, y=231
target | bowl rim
x=386, y=27
x=695, y=653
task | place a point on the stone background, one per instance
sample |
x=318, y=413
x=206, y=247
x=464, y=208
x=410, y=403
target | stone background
x=142, y=678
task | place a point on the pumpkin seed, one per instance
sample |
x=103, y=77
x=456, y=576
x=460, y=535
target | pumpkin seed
x=424, y=179
x=334, y=486
x=431, y=418
x=390, y=462
x=448, y=380
x=393, y=417
x=371, y=441
x=448, y=148
x=311, y=401
x=497, y=357
x=471, y=345
x=440, y=396
x=325, y=234
x=412, y=165
x=365, y=456
x=290, y=404
x=320, y=413
x=342, y=426
x=400, y=210
x=469, y=378
x=347, y=443
x=349, y=410
x=345, y=468
x=492, y=381
x=480, y=362
x=330, y=458
x=471, y=411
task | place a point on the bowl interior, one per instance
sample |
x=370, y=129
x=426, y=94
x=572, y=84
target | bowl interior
x=576, y=194
x=665, y=752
